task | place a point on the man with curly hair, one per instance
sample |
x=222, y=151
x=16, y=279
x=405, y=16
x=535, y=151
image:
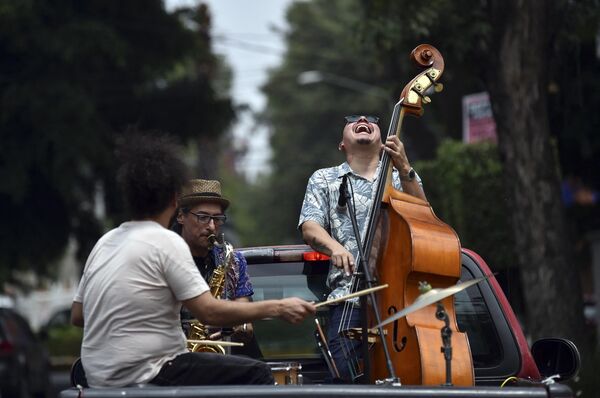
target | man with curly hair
x=139, y=274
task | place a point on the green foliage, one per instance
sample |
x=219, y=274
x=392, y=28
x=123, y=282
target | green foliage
x=240, y=217
x=465, y=186
x=64, y=341
x=73, y=75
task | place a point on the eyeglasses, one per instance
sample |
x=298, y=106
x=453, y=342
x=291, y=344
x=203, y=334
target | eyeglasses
x=356, y=118
x=205, y=218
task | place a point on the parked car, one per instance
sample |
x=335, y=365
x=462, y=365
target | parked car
x=24, y=362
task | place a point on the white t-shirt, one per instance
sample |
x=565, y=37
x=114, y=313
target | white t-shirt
x=131, y=290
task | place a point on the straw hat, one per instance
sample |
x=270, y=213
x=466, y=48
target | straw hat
x=196, y=191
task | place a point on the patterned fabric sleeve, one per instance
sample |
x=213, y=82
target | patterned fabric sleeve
x=315, y=204
x=244, y=286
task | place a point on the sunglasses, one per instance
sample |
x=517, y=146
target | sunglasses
x=356, y=118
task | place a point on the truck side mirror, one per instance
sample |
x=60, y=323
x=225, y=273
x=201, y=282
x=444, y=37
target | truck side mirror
x=556, y=356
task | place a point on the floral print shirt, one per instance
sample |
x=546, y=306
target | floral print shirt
x=237, y=281
x=321, y=206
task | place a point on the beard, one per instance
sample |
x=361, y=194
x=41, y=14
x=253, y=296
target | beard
x=363, y=141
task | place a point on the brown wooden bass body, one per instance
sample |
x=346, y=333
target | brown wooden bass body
x=419, y=247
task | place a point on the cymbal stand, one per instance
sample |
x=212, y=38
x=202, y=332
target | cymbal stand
x=446, y=349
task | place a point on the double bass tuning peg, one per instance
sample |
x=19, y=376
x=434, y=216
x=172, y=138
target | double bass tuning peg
x=432, y=75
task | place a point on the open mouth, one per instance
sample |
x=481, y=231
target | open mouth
x=362, y=128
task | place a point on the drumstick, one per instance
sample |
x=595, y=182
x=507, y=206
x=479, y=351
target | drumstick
x=217, y=342
x=352, y=295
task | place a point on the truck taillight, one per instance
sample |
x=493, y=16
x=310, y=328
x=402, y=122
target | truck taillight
x=314, y=256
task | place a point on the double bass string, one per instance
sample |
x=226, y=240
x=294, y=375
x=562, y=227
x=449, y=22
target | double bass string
x=347, y=344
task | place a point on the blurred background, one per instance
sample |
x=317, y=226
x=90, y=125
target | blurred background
x=509, y=151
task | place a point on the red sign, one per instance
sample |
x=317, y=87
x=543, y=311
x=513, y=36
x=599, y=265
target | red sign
x=478, y=120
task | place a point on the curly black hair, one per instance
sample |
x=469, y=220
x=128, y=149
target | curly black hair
x=151, y=171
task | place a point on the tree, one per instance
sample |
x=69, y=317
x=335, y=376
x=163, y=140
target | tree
x=524, y=33
x=73, y=75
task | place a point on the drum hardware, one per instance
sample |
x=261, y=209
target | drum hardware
x=286, y=373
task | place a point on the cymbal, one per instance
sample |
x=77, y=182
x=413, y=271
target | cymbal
x=430, y=297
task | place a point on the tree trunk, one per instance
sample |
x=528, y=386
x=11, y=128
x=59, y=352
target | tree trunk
x=517, y=82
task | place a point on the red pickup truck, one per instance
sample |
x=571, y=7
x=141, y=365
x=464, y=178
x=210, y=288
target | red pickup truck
x=499, y=347
x=504, y=364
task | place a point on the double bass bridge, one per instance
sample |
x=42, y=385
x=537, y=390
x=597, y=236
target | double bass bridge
x=357, y=334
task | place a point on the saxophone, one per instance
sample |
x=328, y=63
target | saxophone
x=197, y=330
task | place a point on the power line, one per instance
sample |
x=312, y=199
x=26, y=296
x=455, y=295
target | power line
x=248, y=45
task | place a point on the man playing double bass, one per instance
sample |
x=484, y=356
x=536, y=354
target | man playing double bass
x=326, y=225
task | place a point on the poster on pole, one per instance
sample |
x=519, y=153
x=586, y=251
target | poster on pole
x=478, y=120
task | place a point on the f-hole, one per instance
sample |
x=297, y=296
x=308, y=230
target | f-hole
x=402, y=343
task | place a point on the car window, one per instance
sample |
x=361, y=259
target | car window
x=16, y=329
x=278, y=339
x=3, y=331
x=25, y=330
x=496, y=353
x=59, y=319
x=473, y=317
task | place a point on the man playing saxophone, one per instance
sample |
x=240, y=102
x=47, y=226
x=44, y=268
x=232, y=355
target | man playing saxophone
x=201, y=213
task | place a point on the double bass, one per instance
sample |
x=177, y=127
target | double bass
x=406, y=243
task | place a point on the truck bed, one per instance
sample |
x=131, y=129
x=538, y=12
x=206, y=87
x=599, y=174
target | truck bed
x=332, y=391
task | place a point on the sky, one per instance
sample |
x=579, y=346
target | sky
x=243, y=32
